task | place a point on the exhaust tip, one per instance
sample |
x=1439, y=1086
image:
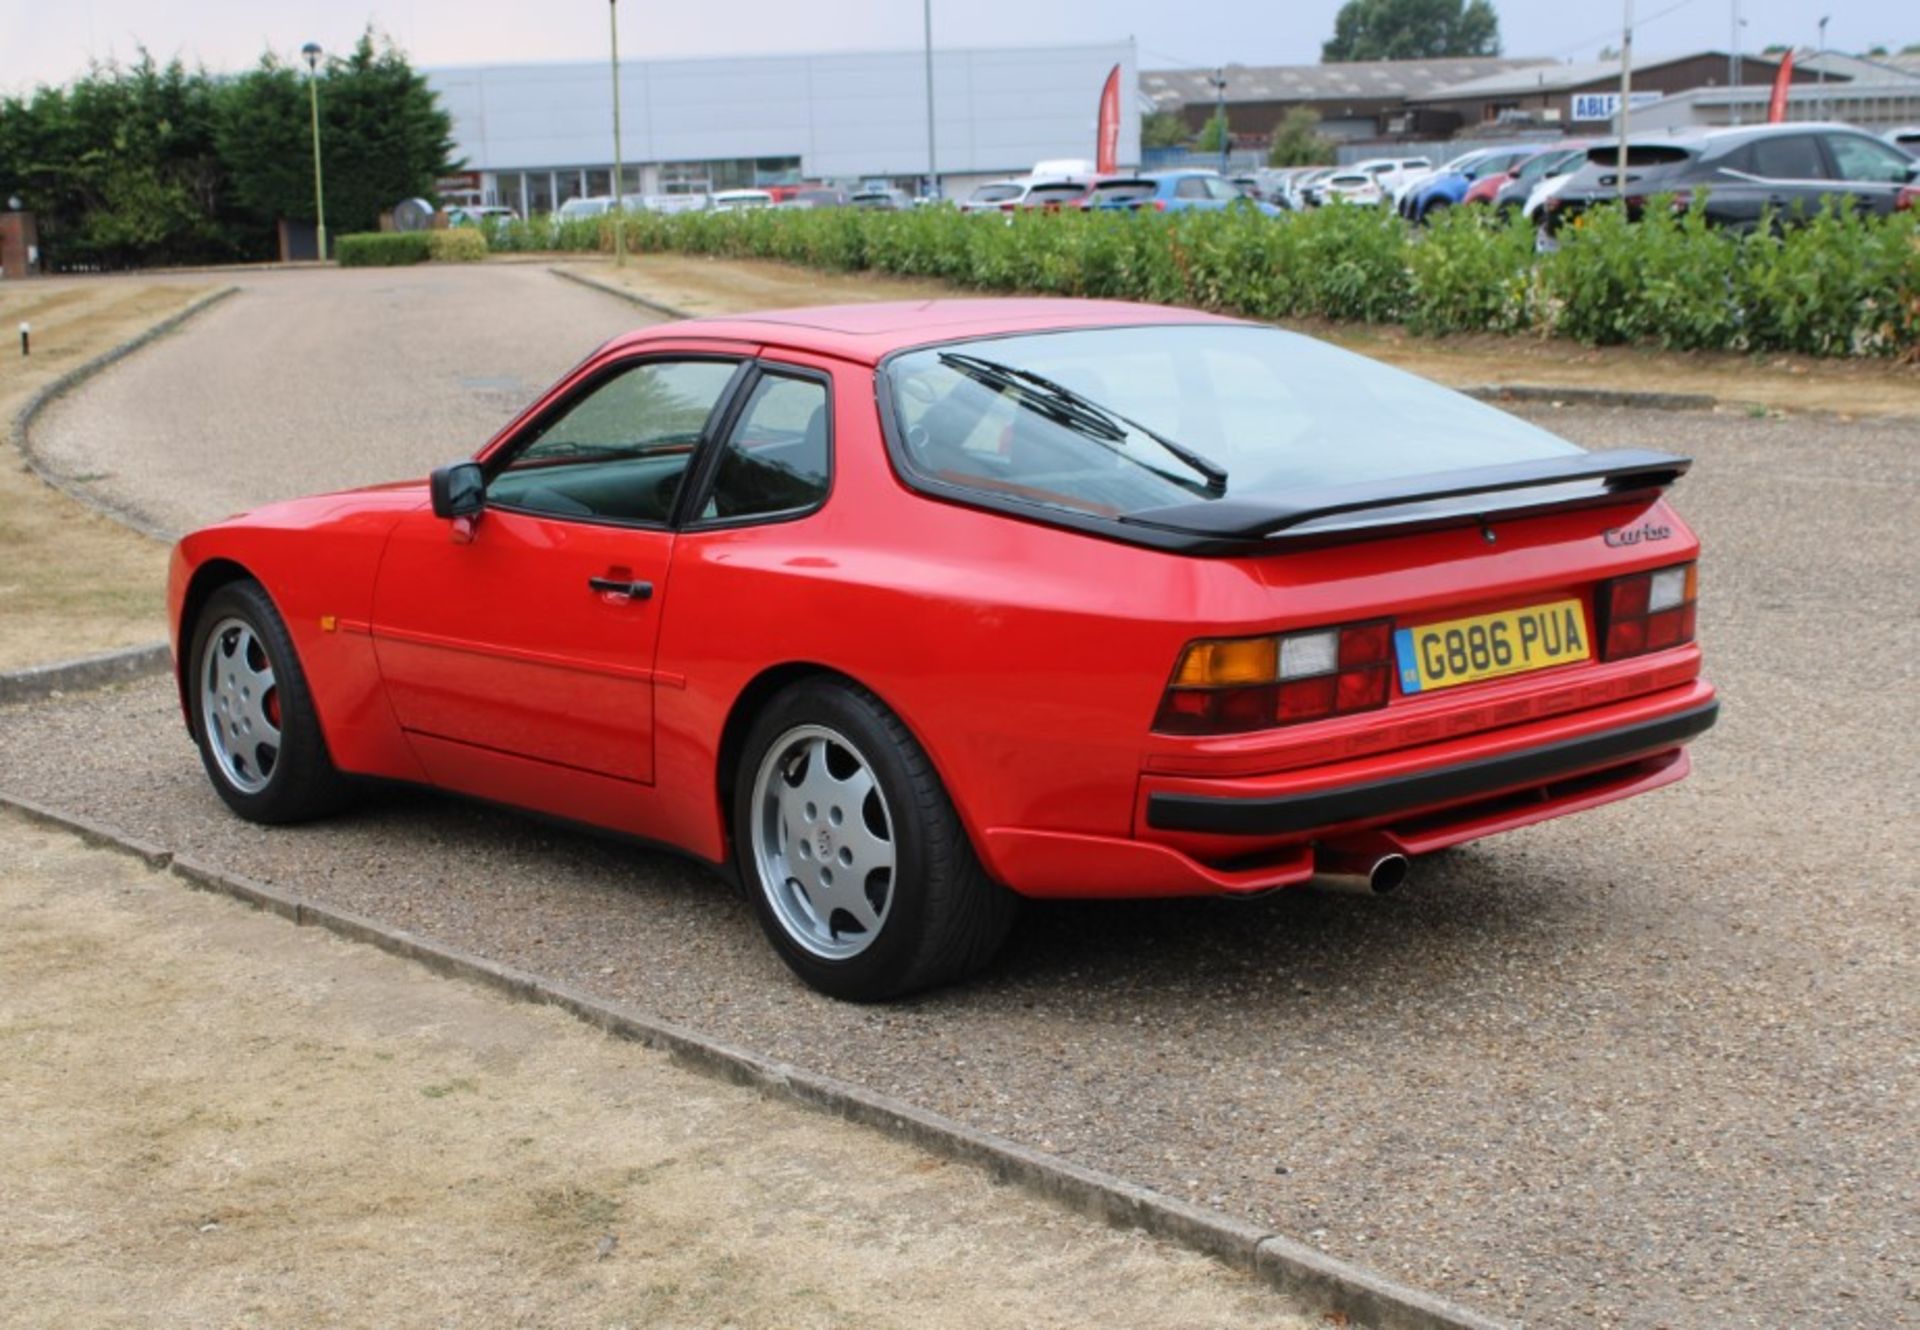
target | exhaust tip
x=1389, y=871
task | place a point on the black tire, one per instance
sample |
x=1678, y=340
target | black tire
x=944, y=918
x=298, y=782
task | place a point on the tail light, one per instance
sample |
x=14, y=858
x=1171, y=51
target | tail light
x=1232, y=685
x=1908, y=199
x=1159, y=205
x=1648, y=611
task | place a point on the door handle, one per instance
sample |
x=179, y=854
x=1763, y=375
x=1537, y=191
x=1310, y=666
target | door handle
x=614, y=586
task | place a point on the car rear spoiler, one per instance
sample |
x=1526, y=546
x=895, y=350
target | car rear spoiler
x=1267, y=519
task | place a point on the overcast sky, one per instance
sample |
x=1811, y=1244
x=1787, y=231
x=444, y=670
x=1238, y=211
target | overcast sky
x=51, y=41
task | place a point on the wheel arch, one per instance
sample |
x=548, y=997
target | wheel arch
x=762, y=689
x=208, y=578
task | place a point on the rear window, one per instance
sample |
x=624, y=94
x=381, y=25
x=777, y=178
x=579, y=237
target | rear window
x=1054, y=193
x=995, y=193
x=1111, y=421
x=1639, y=154
x=1123, y=191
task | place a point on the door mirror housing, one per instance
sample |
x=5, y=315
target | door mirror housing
x=459, y=489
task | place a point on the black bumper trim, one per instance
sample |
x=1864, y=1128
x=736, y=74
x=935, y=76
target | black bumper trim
x=1225, y=815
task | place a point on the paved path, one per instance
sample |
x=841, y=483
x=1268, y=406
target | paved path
x=313, y=380
x=1653, y=1066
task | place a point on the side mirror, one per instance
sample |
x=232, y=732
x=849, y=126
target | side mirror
x=459, y=489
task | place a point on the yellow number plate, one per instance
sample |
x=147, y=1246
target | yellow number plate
x=1440, y=655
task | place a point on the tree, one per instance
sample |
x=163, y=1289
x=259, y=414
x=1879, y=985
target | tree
x=1162, y=129
x=1215, y=135
x=1412, y=30
x=383, y=137
x=1298, y=141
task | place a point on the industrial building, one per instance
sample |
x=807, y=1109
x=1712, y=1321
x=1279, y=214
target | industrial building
x=535, y=135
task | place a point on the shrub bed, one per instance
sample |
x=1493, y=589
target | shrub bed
x=461, y=244
x=381, y=249
x=1841, y=285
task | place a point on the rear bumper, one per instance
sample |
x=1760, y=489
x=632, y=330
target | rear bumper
x=1377, y=800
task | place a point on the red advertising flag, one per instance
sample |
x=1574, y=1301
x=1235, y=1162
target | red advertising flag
x=1106, y=153
x=1777, y=107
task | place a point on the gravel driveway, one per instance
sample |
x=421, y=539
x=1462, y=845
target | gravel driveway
x=1652, y=1066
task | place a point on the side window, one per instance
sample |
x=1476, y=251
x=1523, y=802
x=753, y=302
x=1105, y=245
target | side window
x=778, y=458
x=1220, y=189
x=1789, y=157
x=1858, y=158
x=620, y=452
x=1191, y=187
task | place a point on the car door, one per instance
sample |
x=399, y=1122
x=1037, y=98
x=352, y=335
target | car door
x=530, y=630
x=1792, y=172
x=1873, y=171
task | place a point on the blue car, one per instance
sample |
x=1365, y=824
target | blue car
x=1448, y=186
x=1180, y=191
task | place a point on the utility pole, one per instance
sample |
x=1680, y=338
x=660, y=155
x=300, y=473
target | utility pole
x=933, y=168
x=1626, y=93
x=1733, y=66
x=312, y=52
x=619, y=194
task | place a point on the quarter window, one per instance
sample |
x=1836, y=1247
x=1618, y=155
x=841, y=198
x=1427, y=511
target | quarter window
x=777, y=459
x=621, y=452
x=1863, y=159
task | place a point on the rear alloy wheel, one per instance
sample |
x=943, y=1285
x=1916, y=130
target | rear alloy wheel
x=253, y=717
x=857, y=864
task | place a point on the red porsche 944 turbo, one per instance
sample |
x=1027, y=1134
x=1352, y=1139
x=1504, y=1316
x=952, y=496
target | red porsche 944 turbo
x=908, y=611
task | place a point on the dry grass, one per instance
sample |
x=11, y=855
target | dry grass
x=1774, y=383
x=72, y=583
x=211, y=1118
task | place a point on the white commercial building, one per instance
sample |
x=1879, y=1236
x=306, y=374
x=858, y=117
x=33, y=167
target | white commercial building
x=536, y=135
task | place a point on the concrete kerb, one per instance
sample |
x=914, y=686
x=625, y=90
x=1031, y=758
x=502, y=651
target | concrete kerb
x=73, y=676
x=1320, y=1283
x=621, y=293
x=73, y=378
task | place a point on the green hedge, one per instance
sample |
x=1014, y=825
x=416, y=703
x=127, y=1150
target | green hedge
x=1842, y=285
x=456, y=245
x=381, y=249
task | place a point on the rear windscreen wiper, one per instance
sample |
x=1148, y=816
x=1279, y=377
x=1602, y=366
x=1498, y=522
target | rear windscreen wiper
x=1059, y=402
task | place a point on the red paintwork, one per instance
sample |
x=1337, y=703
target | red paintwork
x=1028, y=660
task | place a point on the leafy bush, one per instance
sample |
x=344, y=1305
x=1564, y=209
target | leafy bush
x=381, y=249
x=461, y=244
x=1843, y=285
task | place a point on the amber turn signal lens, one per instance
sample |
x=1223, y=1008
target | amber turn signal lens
x=1228, y=663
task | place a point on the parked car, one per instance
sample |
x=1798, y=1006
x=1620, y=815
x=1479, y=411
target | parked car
x=671, y=203
x=1053, y=195
x=818, y=197
x=996, y=196
x=1448, y=186
x=1307, y=187
x=1517, y=184
x=900, y=613
x=468, y=214
x=1906, y=138
x=1197, y=191
x=740, y=200
x=1393, y=172
x=1745, y=178
x=1351, y=187
x=1119, y=192
x=574, y=210
x=883, y=200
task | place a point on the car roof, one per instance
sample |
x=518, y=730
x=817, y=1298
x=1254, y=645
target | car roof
x=868, y=333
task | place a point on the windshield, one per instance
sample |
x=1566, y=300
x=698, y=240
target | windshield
x=1111, y=421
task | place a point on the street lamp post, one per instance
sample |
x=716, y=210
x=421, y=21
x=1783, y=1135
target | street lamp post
x=619, y=197
x=1626, y=94
x=312, y=52
x=1219, y=81
x=1822, y=67
x=933, y=168
x=1733, y=66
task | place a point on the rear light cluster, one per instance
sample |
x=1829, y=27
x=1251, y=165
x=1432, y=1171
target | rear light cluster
x=1232, y=685
x=1648, y=611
